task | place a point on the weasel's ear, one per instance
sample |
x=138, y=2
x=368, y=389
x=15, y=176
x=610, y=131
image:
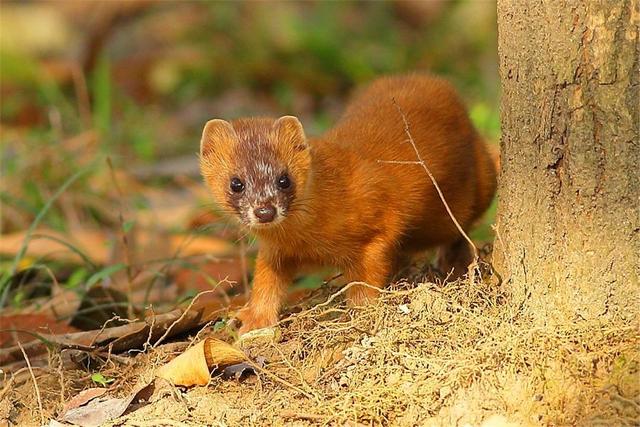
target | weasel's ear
x=289, y=130
x=215, y=132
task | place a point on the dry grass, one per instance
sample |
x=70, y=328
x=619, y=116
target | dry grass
x=424, y=355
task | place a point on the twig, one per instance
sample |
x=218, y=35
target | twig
x=61, y=378
x=104, y=326
x=82, y=94
x=8, y=383
x=157, y=422
x=499, y=239
x=147, y=343
x=422, y=163
x=179, y=319
x=297, y=371
x=331, y=298
x=196, y=338
x=125, y=240
x=303, y=416
x=276, y=378
x=122, y=337
x=433, y=179
x=35, y=383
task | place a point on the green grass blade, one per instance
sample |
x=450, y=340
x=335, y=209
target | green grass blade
x=6, y=277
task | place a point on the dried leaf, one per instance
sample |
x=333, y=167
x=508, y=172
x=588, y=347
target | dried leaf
x=83, y=397
x=99, y=411
x=194, y=366
x=188, y=244
x=23, y=327
x=93, y=245
x=226, y=272
x=49, y=243
x=236, y=371
x=132, y=335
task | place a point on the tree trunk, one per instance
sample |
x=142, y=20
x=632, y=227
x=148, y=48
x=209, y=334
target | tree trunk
x=568, y=226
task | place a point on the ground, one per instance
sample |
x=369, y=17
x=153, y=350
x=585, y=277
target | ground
x=426, y=354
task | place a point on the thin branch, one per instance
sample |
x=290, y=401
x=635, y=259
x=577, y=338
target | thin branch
x=284, y=382
x=182, y=316
x=35, y=383
x=401, y=162
x=157, y=422
x=303, y=416
x=330, y=299
x=104, y=326
x=422, y=163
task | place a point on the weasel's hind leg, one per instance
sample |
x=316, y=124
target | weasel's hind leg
x=453, y=259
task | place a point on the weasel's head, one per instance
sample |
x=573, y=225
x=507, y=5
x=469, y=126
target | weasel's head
x=256, y=168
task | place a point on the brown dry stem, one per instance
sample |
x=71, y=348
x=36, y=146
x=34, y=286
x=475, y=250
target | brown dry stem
x=35, y=383
x=473, y=267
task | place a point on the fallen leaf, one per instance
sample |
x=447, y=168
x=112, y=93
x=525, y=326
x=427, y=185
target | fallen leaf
x=258, y=337
x=55, y=245
x=189, y=244
x=132, y=335
x=83, y=397
x=194, y=366
x=238, y=370
x=22, y=327
x=96, y=245
x=99, y=411
x=224, y=273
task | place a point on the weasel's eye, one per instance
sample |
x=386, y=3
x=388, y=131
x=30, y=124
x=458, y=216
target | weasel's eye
x=236, y=185
x=284, y=182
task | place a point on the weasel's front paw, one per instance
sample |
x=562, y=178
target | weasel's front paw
x=255, y=320
x=361, y=295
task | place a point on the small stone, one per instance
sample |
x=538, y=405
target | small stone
x=404, y=309
x=445, y=391
x=393, y=378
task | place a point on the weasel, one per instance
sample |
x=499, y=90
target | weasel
x=352, y=198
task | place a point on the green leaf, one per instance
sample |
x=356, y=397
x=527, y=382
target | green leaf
x=219, y=325
x=128, y=225
x=77, y=277
x=101, y=88
x=101, y=379
x=6, y=276
x=104, y=273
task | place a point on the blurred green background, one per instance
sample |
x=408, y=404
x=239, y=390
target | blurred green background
x=118, y=91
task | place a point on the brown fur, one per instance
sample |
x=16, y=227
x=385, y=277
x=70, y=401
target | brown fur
x=352, y=209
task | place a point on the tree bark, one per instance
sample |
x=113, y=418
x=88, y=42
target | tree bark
x=568, y=224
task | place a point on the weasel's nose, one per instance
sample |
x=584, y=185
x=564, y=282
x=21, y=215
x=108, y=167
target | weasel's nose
x=265, y=213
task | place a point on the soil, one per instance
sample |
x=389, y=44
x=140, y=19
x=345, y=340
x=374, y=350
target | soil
x=426, y=354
